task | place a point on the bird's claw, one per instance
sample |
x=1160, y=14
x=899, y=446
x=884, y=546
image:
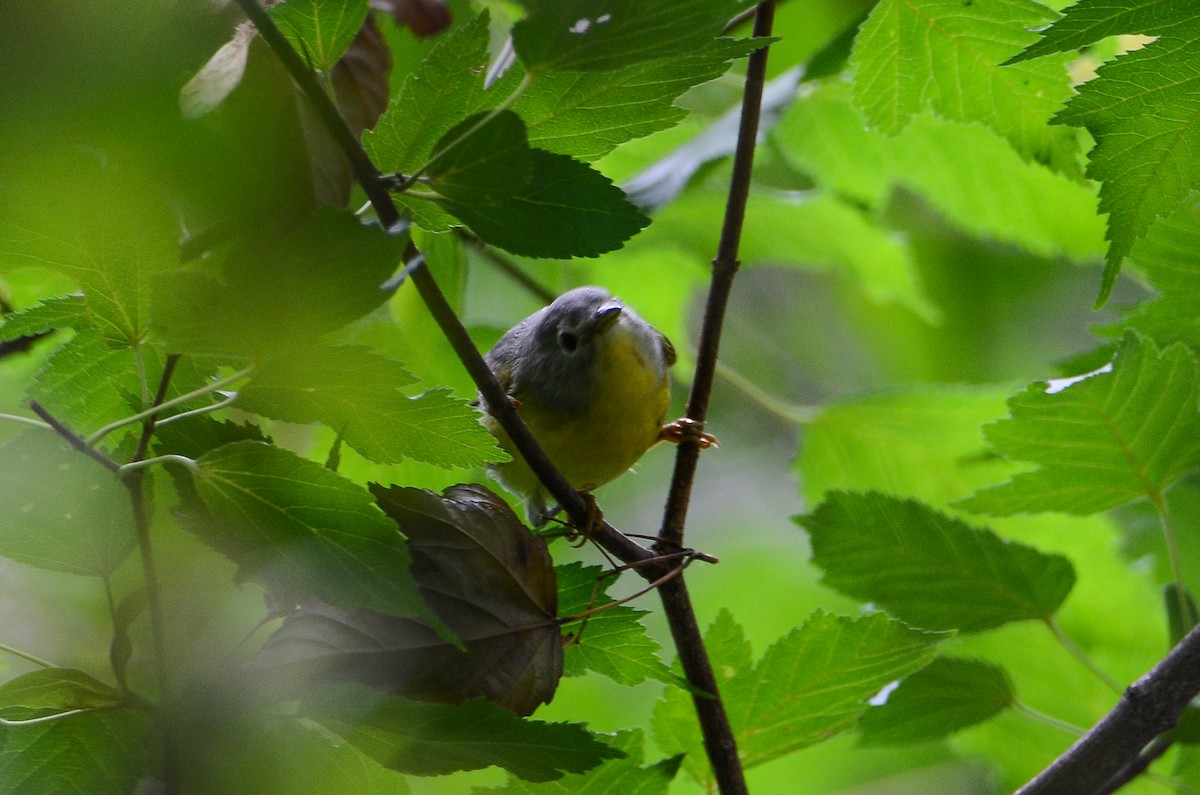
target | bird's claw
x=686, y=429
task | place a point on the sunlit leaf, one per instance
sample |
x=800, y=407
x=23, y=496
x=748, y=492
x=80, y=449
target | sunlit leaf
x=60, y=509
x=320, y=30
x=1123, y=434
x=432, y=739
x=928, y=569
x=949, y=694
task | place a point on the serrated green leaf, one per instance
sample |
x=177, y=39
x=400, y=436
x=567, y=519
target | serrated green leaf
x=1142, y=111
x=302, y=530
x=946, y=56
x=1087, y=21
x=947, y=695
x=84, y=383
x=612, y=642
x=928, y=569
x=99, y=752
x=616, y=777
x=810, y=685
x=320, y=30
x=56, y=690
x=607, y=35
x=1170, y=257
x=483, y=158
x=967, y=173
x=61, y=510
x=433, y=739
x=357, y=393
x=52, y=313
x=1102, y=441
x=278, y=291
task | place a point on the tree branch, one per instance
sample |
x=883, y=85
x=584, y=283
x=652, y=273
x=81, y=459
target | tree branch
x=1109, y=753
x=719, y=741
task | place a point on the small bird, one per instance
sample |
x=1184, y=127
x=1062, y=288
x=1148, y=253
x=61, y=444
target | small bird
x=590, y=379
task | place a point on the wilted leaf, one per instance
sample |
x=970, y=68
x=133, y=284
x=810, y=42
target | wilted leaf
x=423, y=17
x=434, y=739
x=930, y=570
x=60, y=509
x=947, y=695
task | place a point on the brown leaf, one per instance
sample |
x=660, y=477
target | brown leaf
x=424, y=17
x=488, y=578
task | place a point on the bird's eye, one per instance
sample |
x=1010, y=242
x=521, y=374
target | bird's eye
x=568, y=341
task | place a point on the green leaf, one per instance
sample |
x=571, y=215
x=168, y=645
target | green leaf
x=99, y=752
x=616, y=777
x=810, y=685
x=1087, y=21
x=566, y=210
x=356, y=392
x=1142, y=111
x=55, y=690
x=278, y=291
x=947, y=695
x=303, y=531
x=483, y=158
x=86, y=383
x=947, y=56
x=608, y=35
x=1123, y=434
x=434, y=739
x=120, y=650
x=320, y=30
x=1170, y=257
x=61, y=510
x=966, y=172
x=52, y=313
x=930, y=570
x=612, y=642
x=102, y=228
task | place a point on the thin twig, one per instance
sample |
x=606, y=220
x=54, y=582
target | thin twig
x=719, y=741
x=24, y=655
x=1079, y=654
x=508, y=267
x=75, y=439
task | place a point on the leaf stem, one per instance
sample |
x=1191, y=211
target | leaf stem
x=687, y=556
x=170, y=458
x=1164, y=519
x=30, y=421
x=794, y=413
x=158, y=408
x=24, y=655
x=1048, y=720
x=1075, y=651
x=43, y=719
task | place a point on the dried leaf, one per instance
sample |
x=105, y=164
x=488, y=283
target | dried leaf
x=219, y=77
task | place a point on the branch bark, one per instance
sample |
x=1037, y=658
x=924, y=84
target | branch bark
x=1109, y=754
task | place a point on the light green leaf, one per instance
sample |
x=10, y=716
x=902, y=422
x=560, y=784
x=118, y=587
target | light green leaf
x=87, y=383
x=1123, y=434
x=912, y=56
x=616, y=777
x=99, y=752
x=612, y=642
x=61, y=510
x=810, y=685
x=608, y=35
x=320, y=30
x=949, y=694
x=1170, y=258
x=53, y=313
x=357, y=393
x=433, y=739
x=966, y=172
x=566, y=210
x=1142, y=111
x=303, y=531
x=928, y=569
x=56, y=690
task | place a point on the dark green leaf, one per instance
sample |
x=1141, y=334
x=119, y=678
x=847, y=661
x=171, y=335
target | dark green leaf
x=55, y=690
x=484, y=158
x=53, y=313
x=566, y=210
x=1182, y=614
x=947, y=695
x=60, y=509
x=434, y=739
x=320, y=30
x=302, y=530
x=1120, y=435
x=278, y=291
x=1087, y=21
x=928, y=569
x=608, y=35
x=99, y=752
x=612, y=642
x=1170, y=257
x=617, y=777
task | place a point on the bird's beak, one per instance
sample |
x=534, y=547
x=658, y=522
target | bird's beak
x=607, y=315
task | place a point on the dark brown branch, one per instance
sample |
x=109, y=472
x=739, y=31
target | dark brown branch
x=1112, y=748
x=719, y=741
x=493, y=394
